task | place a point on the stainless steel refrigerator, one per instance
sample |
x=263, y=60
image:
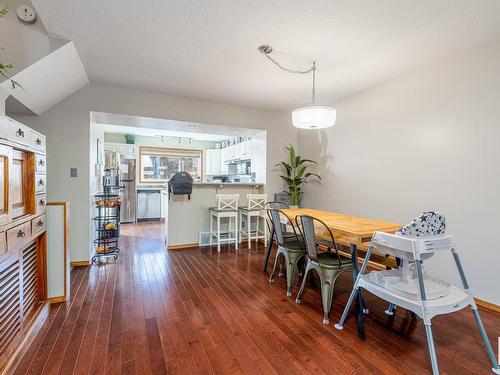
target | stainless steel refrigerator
x=129, y=199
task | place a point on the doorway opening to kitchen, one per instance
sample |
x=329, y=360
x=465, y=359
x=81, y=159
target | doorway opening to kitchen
x=138, y=157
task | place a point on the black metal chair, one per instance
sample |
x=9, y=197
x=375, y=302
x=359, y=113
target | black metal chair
x=328, y=264
x=292, y=250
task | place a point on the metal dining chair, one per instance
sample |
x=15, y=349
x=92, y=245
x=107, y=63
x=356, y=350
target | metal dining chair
x=292, y=250
x=270, y=230
x=328, y=264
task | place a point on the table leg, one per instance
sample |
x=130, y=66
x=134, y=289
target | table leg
x=359, y=299
x=268, y=249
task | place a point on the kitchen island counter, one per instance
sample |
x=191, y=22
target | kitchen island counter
x=188, y=218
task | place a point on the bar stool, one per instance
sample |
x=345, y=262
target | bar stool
x=254, y=208
x=227, y=207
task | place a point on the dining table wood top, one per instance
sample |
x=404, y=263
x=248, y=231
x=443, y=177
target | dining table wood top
x=347, y=229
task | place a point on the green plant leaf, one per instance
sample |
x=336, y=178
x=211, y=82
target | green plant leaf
x=301, y=171
x=309, y=174
x=291, y=150
x=302, y=161
x=288, y=180
x=286, y=167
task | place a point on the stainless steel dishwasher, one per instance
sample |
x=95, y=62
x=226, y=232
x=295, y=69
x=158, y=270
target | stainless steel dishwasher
x=148, y=204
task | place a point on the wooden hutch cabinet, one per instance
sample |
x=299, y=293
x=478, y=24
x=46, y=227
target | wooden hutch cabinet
x=23, y=289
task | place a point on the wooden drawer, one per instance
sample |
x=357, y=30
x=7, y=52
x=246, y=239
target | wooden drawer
x=40, y=163
x=37, y=141
x=22, y=134
x=40, y=183
x=41, y=203
x=18, y=236
x=19, y=133
x=38, y=225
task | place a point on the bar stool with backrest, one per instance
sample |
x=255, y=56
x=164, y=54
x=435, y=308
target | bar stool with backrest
x=328, y=264
x=291, y=251
x=227, y=208
x=253, y=209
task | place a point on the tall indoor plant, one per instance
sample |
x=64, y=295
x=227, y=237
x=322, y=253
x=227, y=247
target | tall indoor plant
x=295, y=174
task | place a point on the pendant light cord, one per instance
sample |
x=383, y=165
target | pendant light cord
x=266, y=51
x=311, y=69
x=314, y=82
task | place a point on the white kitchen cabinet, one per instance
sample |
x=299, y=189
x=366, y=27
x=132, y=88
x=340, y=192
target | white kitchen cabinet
x=245, y=150
x=224, y=156
x=239, y=151
x=212, y=162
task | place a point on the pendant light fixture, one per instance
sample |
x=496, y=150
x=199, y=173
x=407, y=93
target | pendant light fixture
x=312, y=116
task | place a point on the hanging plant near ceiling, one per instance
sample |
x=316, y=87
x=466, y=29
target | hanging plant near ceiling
x=5, y=67
x=295, y=173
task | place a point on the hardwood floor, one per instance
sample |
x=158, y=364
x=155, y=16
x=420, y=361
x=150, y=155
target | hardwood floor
x=199, y=312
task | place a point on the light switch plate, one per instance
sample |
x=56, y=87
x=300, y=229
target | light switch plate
x=73, y=172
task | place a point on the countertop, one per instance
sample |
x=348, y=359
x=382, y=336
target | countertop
x=165, y=187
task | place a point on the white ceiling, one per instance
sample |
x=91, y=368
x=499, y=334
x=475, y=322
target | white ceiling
x=208, y=49
x=148, y=126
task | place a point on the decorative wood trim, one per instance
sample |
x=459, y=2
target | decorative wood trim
x=31, y=332
x=42, y=265
x=56, y=299
x=487, y=305
x=80, y=263
x=183, y=246
x=65, y=204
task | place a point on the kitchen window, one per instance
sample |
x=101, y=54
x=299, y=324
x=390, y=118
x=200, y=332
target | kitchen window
x=160, y=164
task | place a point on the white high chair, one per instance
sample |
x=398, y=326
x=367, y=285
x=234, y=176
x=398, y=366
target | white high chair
x=255, y=208
x=227, y=207
x=410, y=287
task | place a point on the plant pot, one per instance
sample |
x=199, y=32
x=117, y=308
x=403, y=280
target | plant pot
x=294, y=206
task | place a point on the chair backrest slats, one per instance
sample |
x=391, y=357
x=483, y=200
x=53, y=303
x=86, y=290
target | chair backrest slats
x=310, y=227
x=256, y=201
x=227, y=201
x=307, y=228
x=270, y=205
x=281, y=220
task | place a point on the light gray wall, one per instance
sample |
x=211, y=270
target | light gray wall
x=23, y=43
x=425, y=141
x=67, y=127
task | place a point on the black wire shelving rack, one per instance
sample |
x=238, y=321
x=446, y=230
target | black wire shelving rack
x=107, y=226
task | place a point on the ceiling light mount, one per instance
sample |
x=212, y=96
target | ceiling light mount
x=265, y=49
x=310, y=117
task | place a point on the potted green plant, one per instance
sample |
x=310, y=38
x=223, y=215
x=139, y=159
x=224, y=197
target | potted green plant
x=295, y=174
x=129, y=139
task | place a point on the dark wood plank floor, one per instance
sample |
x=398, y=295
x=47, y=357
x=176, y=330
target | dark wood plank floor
x=199, y=312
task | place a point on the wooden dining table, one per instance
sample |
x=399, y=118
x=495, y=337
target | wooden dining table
x=354, y=232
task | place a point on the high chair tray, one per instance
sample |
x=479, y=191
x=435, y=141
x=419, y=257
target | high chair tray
x=456, y=299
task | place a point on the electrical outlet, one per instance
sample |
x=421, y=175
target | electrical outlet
x=73, y=172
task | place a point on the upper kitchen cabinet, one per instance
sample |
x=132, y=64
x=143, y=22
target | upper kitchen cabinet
x=245, y=150
x=212, y=162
